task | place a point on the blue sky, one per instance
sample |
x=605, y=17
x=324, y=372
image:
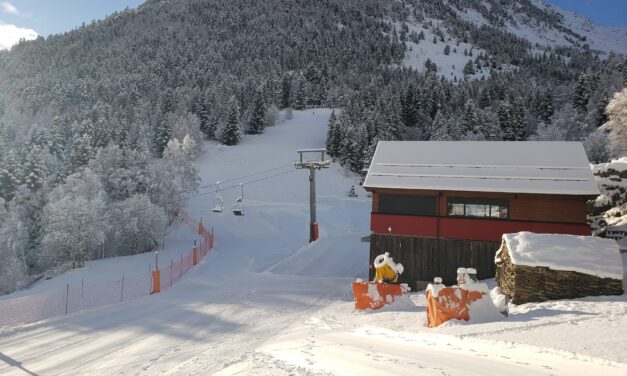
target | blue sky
x=54, y=16
x=604, y=12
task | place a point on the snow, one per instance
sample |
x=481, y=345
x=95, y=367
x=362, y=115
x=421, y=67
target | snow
x=521, y=167
x=265, y=302
x=584, y=254
x=449, y=66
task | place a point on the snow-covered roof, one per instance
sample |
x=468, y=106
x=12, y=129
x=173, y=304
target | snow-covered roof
x=585, y=254
x=551, y=167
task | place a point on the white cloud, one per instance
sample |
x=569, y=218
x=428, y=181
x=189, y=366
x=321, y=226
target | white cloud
x=9, y=8
x=11, y=34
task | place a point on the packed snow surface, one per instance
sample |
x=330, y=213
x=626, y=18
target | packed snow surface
x=585, y=254
x=265, y=302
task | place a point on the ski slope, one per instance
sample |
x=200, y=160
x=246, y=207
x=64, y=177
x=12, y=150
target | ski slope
x=265, y=302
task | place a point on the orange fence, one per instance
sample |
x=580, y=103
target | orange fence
x=72, y=299
x=163, y=278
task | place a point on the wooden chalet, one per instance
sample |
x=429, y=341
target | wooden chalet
x=440, y=205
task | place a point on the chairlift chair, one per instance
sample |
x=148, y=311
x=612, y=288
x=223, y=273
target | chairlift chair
x=238, y=206
x=352, y=192
x=218, y=202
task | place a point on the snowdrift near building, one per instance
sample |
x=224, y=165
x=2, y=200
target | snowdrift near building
x=538, y=267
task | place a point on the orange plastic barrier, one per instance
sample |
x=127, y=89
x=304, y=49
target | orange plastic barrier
x=156, y=281
x=372, y=295
x=451, y=303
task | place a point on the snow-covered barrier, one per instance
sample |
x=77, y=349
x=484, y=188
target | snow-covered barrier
x=538, y=267
x=469, y=302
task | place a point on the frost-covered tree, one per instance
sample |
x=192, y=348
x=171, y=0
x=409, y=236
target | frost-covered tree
x=257, y=122
x=231, y=131
x=616, y=127
x=549, y=132
x=597, y=147
x=14, y=244
x=74, y=220
x=333, y=135
x=469, y=68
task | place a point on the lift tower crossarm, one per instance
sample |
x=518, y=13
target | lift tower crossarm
x=312, y=165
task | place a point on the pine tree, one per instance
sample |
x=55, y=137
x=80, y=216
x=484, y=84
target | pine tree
x=447, y=50
x=231, y=131
x=469, y=68
x=202, y=111
x=213, y=127
x=545, y=107
x=470, y=119
x=504, y=116
x=333, y=136
x=257, y=122
x=519, y=120
x=82, y=151
x=408, y=107
x=286, y=87
x=301, y=96
x=601, y=115
x=162, y=134
x=35, y=170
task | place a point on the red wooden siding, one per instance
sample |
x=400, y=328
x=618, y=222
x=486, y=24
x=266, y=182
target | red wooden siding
x=466, y=228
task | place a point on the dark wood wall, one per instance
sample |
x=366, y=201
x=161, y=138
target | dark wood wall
x=426, y=258
x=522, y=207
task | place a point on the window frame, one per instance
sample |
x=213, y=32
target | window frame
x=490, y=206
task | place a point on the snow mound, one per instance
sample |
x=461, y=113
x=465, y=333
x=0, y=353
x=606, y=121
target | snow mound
x=583, y=254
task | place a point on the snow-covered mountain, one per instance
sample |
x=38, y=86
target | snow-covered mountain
x=266, y=302
x=598, y=37
x=111, y=95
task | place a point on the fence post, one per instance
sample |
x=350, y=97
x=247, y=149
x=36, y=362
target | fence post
x=82, y=286
x=149, y=279
x=171, y=271
x=67, y=297
x=194, y=254
x=122, y=290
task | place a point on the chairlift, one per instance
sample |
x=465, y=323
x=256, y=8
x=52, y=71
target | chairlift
x=218, y=202
x=238, y=206
x=352, y=193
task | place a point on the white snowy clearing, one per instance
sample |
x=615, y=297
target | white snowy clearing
x=264, y=302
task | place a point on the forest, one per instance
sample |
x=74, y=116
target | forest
x=100, y=126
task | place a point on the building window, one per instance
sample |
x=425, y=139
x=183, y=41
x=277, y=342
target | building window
x=407, y=205
x=477, y=207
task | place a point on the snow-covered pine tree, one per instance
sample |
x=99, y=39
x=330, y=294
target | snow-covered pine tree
x=257, y=122
x=286, y=88
x=34, y=167
x=506, y=122
x=333, y=136
x=301, y=95
x=469, y=68
x=82, y=151
x=202, y=112
x=231, y=130
x=213, y=127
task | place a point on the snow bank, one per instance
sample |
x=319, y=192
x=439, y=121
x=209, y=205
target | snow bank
x=584, y=254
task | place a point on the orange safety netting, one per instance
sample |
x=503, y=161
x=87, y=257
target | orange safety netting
x=450, y=303
x=74, y=298
x=372, y=295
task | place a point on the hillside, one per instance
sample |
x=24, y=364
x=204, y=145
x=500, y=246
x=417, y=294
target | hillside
x=94, y=109
x=265, y=302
